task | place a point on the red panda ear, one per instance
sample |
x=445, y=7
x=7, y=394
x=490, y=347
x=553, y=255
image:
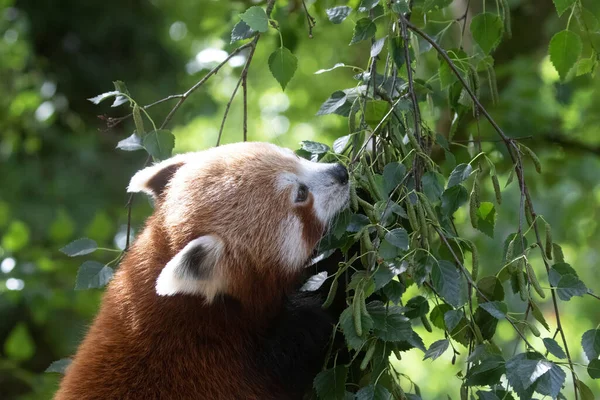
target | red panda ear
x=153, y=180
x=194, y=270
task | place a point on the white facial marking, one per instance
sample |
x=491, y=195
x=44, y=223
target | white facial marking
x=293, y=247
x=169, y=282
x=330, y=196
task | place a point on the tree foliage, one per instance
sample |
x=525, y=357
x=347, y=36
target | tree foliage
x=453, y=249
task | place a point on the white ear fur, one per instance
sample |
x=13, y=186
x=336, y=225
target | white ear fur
x=193, y=270
x=151, y=180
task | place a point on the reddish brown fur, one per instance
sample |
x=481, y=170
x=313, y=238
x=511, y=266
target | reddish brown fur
x=144, y=346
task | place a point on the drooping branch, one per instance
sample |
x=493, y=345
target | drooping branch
x=513, y=150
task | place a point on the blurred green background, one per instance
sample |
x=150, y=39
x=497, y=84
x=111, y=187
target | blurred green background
x=61, y=177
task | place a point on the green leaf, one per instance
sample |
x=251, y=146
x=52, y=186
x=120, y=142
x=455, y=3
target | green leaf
x=453, y=198
x=79, y=247
x=590, y=341
x=159, y=144
x=19, y=345
x=459, y=174
x=373, y=392
x=314, y=147
x=132, y=143
x=388, y=251
x=357, y=222
x=491, y=288
x=386, y=272
x=336, y=101
x=421, y=267
x=241, y=31
x=523, y=370
x=394, y=291
x=393, y=174
x=437, y=315
x=416, y=307
x=388, y=323
x=347, y=323
x=554, y=348
x=488, y=372
x=398, y=237
x=375, y=110
x=487, y=30
x=101, y=97
x=436, y=349
x=537, y=314
x=594, y=369
x=364, y=29
x=569, y=286
x=338, y=14
x=433, y=185
x=486, y=218
x=550, y=383
x=565, y=49
x=59, y=366
x=331, y=383
x=586, y=392
x=496, y=309
x=283, y=64
x=562, y=5
x=93, y=275
x=256, y=18
x=485, y=322
x=447, y=282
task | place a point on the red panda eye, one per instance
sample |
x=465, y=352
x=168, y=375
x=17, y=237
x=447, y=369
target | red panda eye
x=302, y=194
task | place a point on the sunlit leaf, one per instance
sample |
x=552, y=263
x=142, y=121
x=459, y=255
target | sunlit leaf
x=283, y=64
x=132, y=143
x=256, y=18
x=80, y=247
x=314, y=282
x=565, y=49
x=338, y=14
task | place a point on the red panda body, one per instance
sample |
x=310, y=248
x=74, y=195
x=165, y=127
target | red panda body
x=205, y=303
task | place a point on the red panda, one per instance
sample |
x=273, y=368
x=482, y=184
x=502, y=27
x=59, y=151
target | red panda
x=205, y=302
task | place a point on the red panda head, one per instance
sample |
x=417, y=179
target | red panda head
x=238, y=211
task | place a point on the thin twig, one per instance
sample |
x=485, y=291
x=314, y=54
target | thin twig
x=413, y=96
x=239, y=82
x=245, y=99
x=309, y=19
x=183, y=97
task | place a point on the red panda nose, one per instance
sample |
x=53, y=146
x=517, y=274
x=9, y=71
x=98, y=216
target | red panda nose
x=339, y=173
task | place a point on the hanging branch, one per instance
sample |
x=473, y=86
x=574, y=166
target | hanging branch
x=511, y=147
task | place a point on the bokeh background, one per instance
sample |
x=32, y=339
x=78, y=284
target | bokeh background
x=61, y=177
